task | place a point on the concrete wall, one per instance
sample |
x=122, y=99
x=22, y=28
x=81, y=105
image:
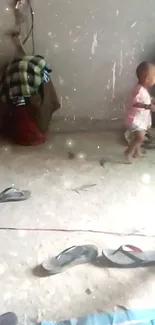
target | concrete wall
x=93, y=47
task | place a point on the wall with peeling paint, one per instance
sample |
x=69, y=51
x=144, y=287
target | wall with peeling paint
x=93, y=48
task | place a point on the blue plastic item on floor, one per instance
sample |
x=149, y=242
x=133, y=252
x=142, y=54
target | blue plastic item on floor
x=125, y=316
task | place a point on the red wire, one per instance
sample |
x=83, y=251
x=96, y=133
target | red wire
x=76, y=230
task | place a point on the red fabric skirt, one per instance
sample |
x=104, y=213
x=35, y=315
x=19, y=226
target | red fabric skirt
x=25, y=131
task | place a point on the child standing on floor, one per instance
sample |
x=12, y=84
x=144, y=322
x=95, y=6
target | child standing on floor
x=138, y=119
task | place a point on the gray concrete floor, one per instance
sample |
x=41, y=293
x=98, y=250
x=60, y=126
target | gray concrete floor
x=122, y=201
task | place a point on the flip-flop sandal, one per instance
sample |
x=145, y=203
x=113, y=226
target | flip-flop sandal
x=129, y=256
x=12, y=194
x=8, y=319
x=72, y=256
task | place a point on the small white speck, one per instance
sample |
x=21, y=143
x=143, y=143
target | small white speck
x=7, y=9
x=49, y=147
x=56, y=46
x=98, y=147
x=70, y=32
x=74, y=89
x=76, y=39
x=81, y=156
x=6, y=149
x=90, y=58
x=117, y=12
x=70, y=143
x=91, y=118
x=51, y=35
x=78, y=27
x=47, y=170
x=61, y=81
x=134, y=24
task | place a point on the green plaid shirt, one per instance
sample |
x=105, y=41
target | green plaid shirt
x=22, y=77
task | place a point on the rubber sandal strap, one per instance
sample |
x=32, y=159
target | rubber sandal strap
x=8, y=189
x=65, y=251
x=130, y=254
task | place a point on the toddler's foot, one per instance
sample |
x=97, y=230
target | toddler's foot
x=140, y=153
x=128, y=157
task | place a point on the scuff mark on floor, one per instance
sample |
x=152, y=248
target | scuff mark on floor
x=121, y=62
x=113, y=79
x=94, y=43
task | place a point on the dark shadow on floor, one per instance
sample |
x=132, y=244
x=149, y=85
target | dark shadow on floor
x=40, y=272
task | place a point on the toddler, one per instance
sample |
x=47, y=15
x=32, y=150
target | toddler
x=138, y=119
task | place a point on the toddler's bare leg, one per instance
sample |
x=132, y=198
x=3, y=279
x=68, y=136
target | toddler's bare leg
x=135, y=146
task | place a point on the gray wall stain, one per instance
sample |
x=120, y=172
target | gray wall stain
x=93, y=48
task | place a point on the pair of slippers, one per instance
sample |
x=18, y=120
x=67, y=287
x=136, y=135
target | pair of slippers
x=125, y=256
x=12, y=194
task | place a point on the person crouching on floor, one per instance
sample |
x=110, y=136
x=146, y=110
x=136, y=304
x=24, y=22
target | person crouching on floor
x=138, y=119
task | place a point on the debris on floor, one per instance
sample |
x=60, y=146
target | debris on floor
x=88, y=291
x=83, y=188
x=71, y=155
x=102, y=162
x=56, y=218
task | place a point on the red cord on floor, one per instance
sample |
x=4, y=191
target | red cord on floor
x=136, y=233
